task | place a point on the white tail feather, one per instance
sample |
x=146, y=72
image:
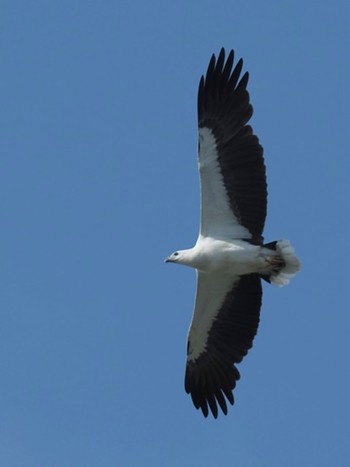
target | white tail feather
x=292, y=264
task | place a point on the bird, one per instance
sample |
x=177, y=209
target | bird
x=230, y=256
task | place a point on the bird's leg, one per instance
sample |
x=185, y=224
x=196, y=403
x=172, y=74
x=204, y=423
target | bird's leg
x=276, y=263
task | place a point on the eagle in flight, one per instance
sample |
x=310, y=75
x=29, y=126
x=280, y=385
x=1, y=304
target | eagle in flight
x=230, y=255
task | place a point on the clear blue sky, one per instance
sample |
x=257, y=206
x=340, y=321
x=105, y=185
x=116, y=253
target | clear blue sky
x=98, y=183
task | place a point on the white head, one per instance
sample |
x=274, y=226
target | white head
x=180, y=257
x=174, y=257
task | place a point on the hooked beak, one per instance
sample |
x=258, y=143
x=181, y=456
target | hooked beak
x=168, y=260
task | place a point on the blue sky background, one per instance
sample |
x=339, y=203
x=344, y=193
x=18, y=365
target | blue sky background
x=98, y=183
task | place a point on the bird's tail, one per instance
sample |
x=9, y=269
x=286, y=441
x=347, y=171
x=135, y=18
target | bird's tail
x=284, y=264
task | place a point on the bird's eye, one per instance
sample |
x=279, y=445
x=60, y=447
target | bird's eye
x=176, y=254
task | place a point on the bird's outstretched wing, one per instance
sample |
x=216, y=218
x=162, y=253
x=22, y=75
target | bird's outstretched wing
x=230, y=158
x=223, y=327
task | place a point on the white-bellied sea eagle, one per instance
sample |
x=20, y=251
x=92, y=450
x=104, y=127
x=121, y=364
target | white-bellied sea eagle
x=230, y=255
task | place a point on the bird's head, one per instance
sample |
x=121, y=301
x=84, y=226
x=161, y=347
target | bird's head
x=185, y=257
x=174, y=257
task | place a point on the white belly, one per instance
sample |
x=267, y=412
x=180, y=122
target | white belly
x=237, y=257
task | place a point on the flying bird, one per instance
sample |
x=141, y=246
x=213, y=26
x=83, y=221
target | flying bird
x=230, y=255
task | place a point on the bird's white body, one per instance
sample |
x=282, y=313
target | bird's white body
x=229, y=257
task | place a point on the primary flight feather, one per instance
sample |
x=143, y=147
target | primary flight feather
x=230, y=256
